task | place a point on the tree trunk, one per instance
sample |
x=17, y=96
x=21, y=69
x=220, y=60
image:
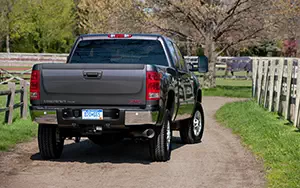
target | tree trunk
x=209, y=79
x=7, y=43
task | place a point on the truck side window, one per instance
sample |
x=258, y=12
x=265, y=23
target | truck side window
x=173, y=53
x=181, y=59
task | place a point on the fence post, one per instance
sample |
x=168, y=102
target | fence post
x=10, y=103
x=254, y=77
x=279, y=83
x=288, y=93
x=24, y=99
x=266, y=77
x=271, y=91
x=259, y=85
x=296, y=121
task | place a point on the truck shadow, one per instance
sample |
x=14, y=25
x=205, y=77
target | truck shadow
x=127, y=151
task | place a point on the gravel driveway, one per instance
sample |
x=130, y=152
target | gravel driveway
x=219, y=161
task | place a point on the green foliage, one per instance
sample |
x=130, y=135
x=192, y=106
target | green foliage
x=268, y=137
x=41, y=26
x=266, y=48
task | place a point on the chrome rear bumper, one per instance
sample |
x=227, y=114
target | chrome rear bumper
x=128, y=117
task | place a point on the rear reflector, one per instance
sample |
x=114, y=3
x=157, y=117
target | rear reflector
x=35, y=85
x=153, y=86
x=119, y=36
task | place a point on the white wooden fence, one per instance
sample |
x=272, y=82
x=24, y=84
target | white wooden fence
x=276, y=86
x=29, y=59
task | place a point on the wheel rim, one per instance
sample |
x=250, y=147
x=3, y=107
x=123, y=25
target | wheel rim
x=197, y=123
x=168, y=136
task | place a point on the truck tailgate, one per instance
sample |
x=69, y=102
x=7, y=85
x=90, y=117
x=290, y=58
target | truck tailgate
x=93, y=84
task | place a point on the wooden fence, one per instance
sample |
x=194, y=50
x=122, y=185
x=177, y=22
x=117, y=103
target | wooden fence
x=29, y=59
x=10, y=102
x=276, y=85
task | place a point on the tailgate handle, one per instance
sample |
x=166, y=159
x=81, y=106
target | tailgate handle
x=95, y=75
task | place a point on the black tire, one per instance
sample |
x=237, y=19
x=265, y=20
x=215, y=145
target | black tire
x=159, y=146
x=187, y=133
x=50, y=142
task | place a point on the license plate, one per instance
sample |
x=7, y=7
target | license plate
x=95, y=114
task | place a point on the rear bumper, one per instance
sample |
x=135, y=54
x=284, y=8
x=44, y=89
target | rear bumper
x=125, y=118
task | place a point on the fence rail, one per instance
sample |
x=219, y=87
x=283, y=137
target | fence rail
x=29, y=59
x=276, y=86
x=10, y=102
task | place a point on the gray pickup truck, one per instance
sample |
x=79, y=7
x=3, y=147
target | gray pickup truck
x=116, y=86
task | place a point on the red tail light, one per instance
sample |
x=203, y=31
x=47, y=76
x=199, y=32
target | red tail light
x=119, y=36
x=35, y=85
x=153, y=86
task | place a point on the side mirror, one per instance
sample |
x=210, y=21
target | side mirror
x=202, y=64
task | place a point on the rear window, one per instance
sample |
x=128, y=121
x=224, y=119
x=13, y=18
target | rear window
x=122, y=51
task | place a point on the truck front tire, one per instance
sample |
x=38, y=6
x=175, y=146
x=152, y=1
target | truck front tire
x=193, y=131
x=160, y=144
x=50, y=141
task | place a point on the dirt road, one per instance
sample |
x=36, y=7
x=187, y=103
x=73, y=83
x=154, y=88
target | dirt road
x=219, y=161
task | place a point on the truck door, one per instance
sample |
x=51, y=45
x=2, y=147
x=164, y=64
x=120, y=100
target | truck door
x=186, y=91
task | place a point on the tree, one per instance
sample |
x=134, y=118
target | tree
x=41, y=26
x=6, y=8
x=216, y=24
x=109, y=16
x=286, y=15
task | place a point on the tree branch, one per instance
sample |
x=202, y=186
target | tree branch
x=189, y=17
x=240, y=40
x=170, y=31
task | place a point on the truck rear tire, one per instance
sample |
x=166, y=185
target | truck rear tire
x=193, y=132
x=50, y=141
x=160, y=145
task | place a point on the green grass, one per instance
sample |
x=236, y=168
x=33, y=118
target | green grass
x=20, y=131
x=232, y=82
x=272, y=139
x=230, y=88
x=229, y=91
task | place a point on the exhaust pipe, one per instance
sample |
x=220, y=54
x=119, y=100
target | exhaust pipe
x=149, y=133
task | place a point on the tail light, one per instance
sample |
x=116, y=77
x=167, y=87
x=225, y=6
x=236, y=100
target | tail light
x=35, y=85
x=153, y=86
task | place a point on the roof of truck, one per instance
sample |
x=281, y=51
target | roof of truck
x=134, y=34
x=95, y=36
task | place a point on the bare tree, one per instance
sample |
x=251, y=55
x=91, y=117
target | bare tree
x=109, y=16
x=216, y=24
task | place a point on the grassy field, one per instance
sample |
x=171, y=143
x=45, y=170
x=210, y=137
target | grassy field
x=269, y=137
x=21, y=130
x=230, y=88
